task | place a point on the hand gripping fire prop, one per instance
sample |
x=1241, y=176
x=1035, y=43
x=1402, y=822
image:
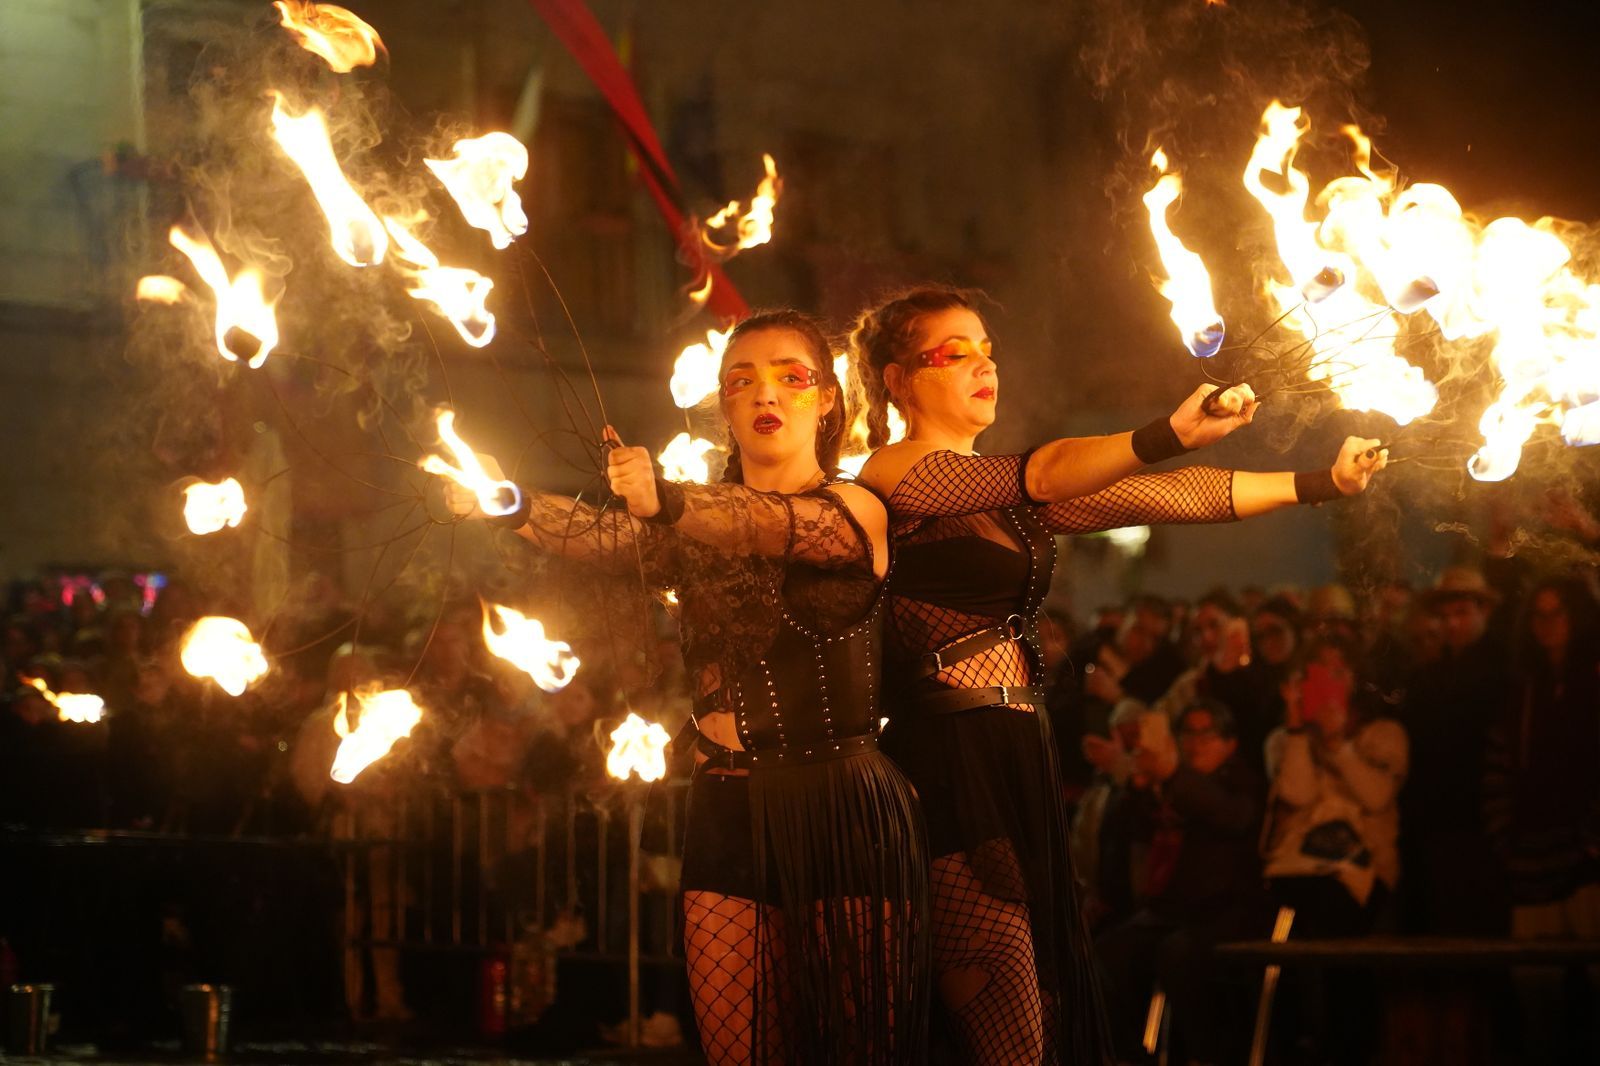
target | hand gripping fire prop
x=495, y=498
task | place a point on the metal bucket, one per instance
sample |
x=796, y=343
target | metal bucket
x=205, y=1020
x=28, y=1019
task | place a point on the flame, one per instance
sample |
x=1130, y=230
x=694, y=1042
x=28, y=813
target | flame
x=222, y=649
x=1351, y=338
x=496, y=498
x=332, y=32
x=77, y=707
x=700, y=296
x=357, y=235
x=522, y=643
x=385, y=717
x=697, y=372
x=684, y=459
x=480, y=177
x=638, y=747
x=160, y=289
x=458, y=294
x=855, y=453
x=208, y=507
x=1187, y=285
x=246, y=326
x=1381, y=252
x=754, y=226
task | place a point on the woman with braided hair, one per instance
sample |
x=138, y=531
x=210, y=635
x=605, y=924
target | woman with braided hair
x=805, y=869
x=974, y=551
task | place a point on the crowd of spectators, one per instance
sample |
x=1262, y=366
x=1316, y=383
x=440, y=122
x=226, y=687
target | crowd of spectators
x=1397, y=759
x=1407, y=760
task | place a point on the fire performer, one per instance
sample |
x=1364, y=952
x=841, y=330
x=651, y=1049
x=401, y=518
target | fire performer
x=805, y=875
x=975, y=552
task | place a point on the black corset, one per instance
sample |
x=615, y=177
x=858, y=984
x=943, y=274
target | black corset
x=808, y=691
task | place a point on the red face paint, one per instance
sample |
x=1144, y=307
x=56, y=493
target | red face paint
x=796, y=376
x=953, y=351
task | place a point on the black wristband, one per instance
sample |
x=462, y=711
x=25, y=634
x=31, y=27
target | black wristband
x=516, y=519
x=670, y=496
x=1316, y=486
x=1022, y=479
x=1157, y=441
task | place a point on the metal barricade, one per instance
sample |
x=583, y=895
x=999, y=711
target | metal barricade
x=477, y=871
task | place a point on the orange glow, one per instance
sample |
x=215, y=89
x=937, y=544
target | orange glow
x=334, y=33
x=80, y=708
x=209, y=507
x=383, y=719
x=222, y=649
x=685, y=459
x=357, y=236
x=494, y=497
x=480, y=177
x=521, y=642
x=699, y=296
x=246, y=326
x=459, y=294
x=638, y=747
x=160, y=289
x=696, y=373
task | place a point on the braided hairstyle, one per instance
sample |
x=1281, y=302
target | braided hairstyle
x=887, y=333
x=831, y=429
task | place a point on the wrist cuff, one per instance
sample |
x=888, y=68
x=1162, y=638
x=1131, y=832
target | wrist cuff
x=516, y=519
x=1022, y=479
x=1316, y=486
x=670, y=496
x=1157, y=441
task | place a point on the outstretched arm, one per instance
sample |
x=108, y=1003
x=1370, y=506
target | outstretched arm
x=1206, y=494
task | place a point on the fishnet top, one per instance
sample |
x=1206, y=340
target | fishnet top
x=738, y=560
x=946, y=497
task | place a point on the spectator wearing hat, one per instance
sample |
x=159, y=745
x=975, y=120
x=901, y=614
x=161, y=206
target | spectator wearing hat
x=1453, y=885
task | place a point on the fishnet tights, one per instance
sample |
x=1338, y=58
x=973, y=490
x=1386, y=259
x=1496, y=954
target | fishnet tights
x=736, y=961
x=734, y=952
x=983, y=954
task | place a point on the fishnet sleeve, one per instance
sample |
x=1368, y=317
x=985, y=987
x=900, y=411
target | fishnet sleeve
x=609, y=538
x=944, y=484
x=816, y=529
x=1193, y=495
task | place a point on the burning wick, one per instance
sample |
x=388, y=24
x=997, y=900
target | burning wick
x=522, y=643
x=246, y=327
x=696, y=373
x=1418, y=293
x=496, y=498
x=1187, y=285
x=638, y=747
x=1323, y=284
x=210, y=507
x=79, y=707
x=385, y=718
x=160, y=289
x=222, y=649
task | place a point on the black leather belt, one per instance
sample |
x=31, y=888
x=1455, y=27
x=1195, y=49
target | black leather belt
x=957, y=700
x=720, y=757
x=1015, y=627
